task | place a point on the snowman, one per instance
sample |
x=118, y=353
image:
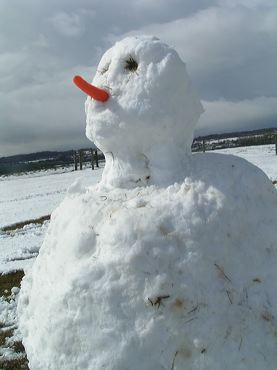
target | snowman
x=169, y=263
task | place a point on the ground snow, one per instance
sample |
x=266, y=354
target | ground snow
x=8, y=322
x=31, y=196
x=19, y=247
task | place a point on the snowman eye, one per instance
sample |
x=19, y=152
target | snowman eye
x=130, y=64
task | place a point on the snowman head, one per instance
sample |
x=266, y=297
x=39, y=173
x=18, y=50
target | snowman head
x=140, y=100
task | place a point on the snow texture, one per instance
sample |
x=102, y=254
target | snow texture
x=176, y=271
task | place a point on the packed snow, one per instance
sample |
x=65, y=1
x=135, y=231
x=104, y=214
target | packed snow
x=169, y=262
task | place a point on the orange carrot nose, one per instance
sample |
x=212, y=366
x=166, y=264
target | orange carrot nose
x=93, y=91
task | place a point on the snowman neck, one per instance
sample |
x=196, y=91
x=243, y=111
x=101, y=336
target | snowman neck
x=159, y=165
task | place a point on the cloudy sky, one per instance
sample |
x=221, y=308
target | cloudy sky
x=229, y=46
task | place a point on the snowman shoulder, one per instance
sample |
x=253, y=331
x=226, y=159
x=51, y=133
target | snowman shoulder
x=231, y=172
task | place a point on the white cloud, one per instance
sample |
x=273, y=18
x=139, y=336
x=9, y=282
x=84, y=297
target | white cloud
x=219, y=38
x=69, y=25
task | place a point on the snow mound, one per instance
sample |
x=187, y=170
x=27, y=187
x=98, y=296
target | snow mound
x=158, y=278
x=168, y=263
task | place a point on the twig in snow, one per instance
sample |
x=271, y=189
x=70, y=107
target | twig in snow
x=229, y=296
x=240, y=343
x=221, y=270
x=173, y=362
x=244, y=299
x=193, y=318
x=194, y=309
x=267, y=316
x=158, y=300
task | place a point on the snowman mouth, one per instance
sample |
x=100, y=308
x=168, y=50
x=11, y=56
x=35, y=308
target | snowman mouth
x=94, y=92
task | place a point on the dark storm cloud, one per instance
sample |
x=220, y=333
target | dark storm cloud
x=229, y=47
x=228, y=116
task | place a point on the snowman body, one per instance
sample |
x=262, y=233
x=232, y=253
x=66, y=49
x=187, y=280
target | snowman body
x=169, y=262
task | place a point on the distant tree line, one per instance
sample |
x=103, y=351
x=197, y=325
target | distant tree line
x=257, y=140
x=218, y=142
x=40, y=161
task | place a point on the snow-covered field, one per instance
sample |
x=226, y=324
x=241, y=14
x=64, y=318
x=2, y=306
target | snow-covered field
x=29, y=197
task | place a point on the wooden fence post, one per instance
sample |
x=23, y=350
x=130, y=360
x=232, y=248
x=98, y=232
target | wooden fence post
x=96, y=158
x=92, y=159
x=81, y=159
x=75, y=160
x=204, y=146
